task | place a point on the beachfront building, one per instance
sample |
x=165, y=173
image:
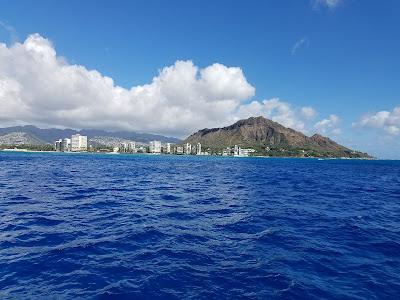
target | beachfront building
x=78, y=142
x=132, y=147
x=198, y=149
x=66, y=144
x=127, y=147
x=141, y=149
x=236, y=150
x=155, y=147
x=242, y=152
x=168, y=148
x=188, y=149
x=58, y=145
x=179, y=150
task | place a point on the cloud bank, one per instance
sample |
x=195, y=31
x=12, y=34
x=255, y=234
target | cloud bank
x=388, y=121
x=38, y=87
x=328, y=126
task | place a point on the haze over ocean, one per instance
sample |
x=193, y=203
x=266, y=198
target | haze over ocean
x=172, y=227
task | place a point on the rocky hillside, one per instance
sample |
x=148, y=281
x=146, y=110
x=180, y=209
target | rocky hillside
x=49, y=135
x=20, y=138
x=260, y=133
x=109, y=141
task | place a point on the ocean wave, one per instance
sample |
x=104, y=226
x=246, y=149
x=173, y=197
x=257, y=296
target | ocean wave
x=157, y=228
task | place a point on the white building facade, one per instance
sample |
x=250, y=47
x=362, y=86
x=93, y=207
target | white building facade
x=132, y=147
x=58, y=145
x=66, y=144
x=78, y=142
x=188, y=149
x=168, y=148
x=198, y=149
x=155, y=147
x=179, y=150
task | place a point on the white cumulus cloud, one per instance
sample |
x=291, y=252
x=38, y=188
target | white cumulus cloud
x=308, y=112
x=389, y=121
x=39, y=87
x=328, y=125
x=278, y=111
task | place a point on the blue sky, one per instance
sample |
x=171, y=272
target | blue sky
x=346, y=62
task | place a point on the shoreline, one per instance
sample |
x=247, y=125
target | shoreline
x=162, y=154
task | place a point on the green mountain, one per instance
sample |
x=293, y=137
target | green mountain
x=270, y=138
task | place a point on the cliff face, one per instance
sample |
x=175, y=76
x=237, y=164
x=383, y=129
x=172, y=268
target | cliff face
x=259, y=132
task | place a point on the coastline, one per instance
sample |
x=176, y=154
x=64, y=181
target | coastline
x=174, y=155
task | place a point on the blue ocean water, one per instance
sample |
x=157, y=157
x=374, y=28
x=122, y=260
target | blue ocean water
x=165, y=227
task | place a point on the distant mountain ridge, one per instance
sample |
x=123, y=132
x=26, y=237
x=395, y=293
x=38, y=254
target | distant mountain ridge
x=20, y=138
x=260, y=133
x=49, y=135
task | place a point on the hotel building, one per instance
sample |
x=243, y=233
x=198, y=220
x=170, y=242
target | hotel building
x=58, y=145
x=155, y=147
x=78, y=142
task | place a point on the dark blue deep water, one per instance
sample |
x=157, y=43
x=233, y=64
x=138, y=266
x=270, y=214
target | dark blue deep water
x=163, y=227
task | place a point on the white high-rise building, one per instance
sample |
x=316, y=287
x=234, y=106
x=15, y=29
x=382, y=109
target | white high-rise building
x=168, y=150
x=198, y=149
x=66, y=144
x=78, y=142
x=179, y=150
x=236, y=150
x=188, y=148
x=132, y=147
x=58, y=145
x=155, y=147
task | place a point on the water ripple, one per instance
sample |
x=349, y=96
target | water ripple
x=162, y=227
